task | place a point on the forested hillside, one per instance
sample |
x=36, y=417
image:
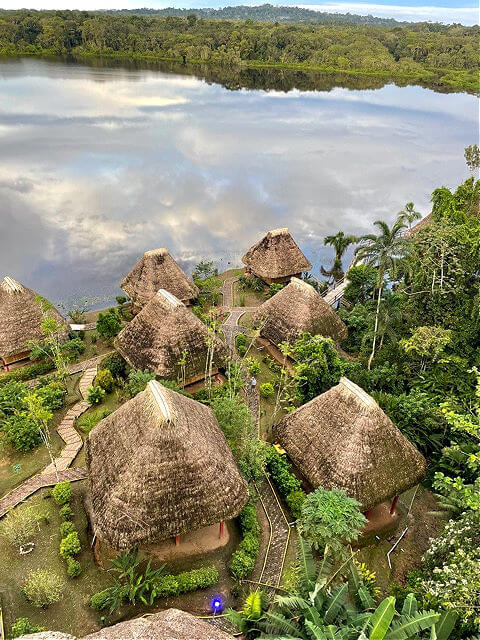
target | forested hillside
x=417, y=52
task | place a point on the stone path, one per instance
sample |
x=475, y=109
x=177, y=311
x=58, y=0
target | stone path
x=76, y=367
x=73, y=442
x=231, y=328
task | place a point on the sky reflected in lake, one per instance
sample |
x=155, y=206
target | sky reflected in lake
x=98, y=165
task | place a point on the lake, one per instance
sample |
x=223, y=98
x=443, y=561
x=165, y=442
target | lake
x=100, y=162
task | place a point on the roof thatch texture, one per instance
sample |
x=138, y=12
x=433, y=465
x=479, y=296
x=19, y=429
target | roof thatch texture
x=421, y=224
x=277, y=255
x=158, y=336
x=157, y=270
x=343, y=440
x=295, y=309
x=171, y=624
x=160, y=466
x=21, y=317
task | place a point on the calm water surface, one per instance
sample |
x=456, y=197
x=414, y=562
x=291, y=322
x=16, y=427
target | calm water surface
x=98, y=165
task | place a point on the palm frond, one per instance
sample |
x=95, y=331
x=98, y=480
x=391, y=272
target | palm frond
x=335, y=602
x=444, y=627
x=277, y=623
x=409, y=626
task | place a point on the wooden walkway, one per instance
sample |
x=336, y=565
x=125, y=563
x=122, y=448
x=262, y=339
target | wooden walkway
x=74, y=443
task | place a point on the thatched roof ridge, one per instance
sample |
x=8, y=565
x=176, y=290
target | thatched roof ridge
x=157, y=270
x=171, y=624
x=21, y=317
x=343, y=440
x=420, y=225
x=160, y=466
x=157, y=337
x=295, y=309
x=276, y=255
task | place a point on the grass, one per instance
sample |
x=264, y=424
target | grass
x=247, y=298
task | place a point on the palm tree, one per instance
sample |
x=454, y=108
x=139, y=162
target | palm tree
x=340, y=242
x=382, y=251
x=409, y=214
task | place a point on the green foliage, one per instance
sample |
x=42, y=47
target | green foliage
x=362, y=281
x=66, y=513
x=205, y=270
x=266, y=390
x=275, y=288
x=279, y=470
x=318, y=367
x=330, y=518
x=11, y=398
x=101, y=600
x=253, y=366
x=137, y=381
x=43, y=588
x=28, y=372
x=74, y=568
x=53, y=394
x=115, y=364
x=21, y=432
x=244, y=558
x=20, y=525
x=95, y=394
x=62, y=492
x=91, y=419
x=251, y=282
x=109, y=324
x=23, y=627
x=295, y=500
x=105, y=380
x=121, y=300
x=70, y=545
x=66, y=528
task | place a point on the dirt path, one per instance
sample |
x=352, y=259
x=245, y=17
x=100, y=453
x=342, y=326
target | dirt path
x=73, y=441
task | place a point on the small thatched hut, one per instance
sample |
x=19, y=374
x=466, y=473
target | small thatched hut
x=20, y=320
x=276, y=257
x=160, y=466
x=171, y=624
x=157, y=270
x=295, y=309
x=343, y=440
x=162, y=334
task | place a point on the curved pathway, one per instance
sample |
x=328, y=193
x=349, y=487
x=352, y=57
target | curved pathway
x=74, y=443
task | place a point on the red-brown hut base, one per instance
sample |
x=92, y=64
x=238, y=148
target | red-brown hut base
x=274, y=352
x=7, y=361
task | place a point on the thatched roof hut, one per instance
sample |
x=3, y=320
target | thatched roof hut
x=171, y=624
x=160, y=466
x=21, y=320
x=158, y=336
x=343, y=440
x=276, y=257
x=420, y=225
x=295, y=309
x=157, y=270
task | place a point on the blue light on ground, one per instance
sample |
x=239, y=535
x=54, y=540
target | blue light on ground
x=217, y=604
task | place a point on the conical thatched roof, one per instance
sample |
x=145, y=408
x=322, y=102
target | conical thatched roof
x=343, y=440
x=160, y=466
x=277, y=255
x=20, y=317
x=171, y=624
x=157, y=270
x=295, y=309
x=157, y=337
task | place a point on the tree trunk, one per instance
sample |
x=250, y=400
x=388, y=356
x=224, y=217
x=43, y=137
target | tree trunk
x=375, y=329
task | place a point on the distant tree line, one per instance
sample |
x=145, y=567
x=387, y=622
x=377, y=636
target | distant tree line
x=414, y=50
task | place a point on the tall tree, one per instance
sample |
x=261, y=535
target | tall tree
x=409, y=214
x=382, y=251
x=340, y=242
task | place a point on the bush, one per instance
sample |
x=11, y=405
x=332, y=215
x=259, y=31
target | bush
x=197, y=579
x=166, y=586
x=66, y=528
x=115, y=364
x=74, y=568
x=109, y=324
x=28, y=373
x=20, y=525
x=91, y=420
x=100, y=600
x=295, y=500
x=22, y=627
x=70, y=546
x=66, y=512
x=105, y=380
x=267, y=390
x=21, y=432
x=62, y=492
x=74, y=348
x=253, y=366
x=242, y=564
x=95, y=394
x=53, y=395
x=137, y=381
x=11, y=397
x=279, y=470
x=244, y=558
x=43, y=588
x=242, y=350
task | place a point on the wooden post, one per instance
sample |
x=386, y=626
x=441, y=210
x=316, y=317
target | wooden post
x=394, y=505
x=222, y=529
x=367, y=514
x=177, y=540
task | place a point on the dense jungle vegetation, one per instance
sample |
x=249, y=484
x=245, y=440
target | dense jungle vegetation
x=447, y=55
